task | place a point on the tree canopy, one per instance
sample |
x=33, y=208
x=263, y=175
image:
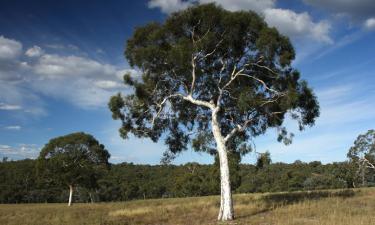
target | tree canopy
x=263, y=160
x=362, y=154
x=73, y=159
x=204, y=58
x=214, y=79
x=364, y=147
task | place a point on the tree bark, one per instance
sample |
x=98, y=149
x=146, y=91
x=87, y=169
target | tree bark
x=363, y=174
x=91, y=197
x=226, y=211
x=70, y=195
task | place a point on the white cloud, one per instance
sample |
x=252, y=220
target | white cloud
x=4, y=106
x=107, y=84
x=9, y=49
x=35, y=51
x=169, y=6
x=298, y=25
x=236, y=5
x=15, y=127
x=54, y=66
x=294, y=25
x=370, y=23
x=20, y=151
x=79, y=80
x=81, y=92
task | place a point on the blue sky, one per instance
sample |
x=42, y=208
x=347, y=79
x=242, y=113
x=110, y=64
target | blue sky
x=61, y=61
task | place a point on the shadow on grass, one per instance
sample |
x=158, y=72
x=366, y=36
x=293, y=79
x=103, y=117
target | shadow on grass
x=276, y=200
x=294, y=197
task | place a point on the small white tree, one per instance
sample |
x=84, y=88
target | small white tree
x=73, y=159
x=362, y=153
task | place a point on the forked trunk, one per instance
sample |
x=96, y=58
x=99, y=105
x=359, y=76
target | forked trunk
x=226, y=211
x=70, y=195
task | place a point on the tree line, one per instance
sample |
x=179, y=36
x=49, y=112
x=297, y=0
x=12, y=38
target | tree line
x=20, y=182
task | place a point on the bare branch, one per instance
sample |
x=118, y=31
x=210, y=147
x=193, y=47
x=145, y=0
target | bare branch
x=273, y=99
x=209, y=105
x=367, y=162
x=242, y=128
x=161, y=106
x=213, y=51
x=186, y=98
x=264, y=67
x=261, y=81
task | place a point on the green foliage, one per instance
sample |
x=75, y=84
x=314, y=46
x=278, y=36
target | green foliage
x=74, y=159
x=364, y=147
x=19, y=181
x=263, y=160
x=362, y=156
x=213, y=44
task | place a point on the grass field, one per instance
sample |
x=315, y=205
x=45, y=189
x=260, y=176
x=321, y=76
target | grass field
x=339, y=207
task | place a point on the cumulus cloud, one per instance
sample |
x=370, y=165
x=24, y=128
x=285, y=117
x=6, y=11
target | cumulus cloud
x=78, y=80
x=294, y=25
x=236, y=5
x=298, y=25
x=9, y=48
x=107, y=84
x=55, y=66
x=35, y=51
x=370, y=23
x=19, y=151
x=169, y=6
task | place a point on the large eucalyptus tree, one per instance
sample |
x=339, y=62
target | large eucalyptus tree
x=213, y=79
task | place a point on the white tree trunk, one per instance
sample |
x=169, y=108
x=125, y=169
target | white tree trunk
x=91, y=197
x=70, y=195
x=226, y=211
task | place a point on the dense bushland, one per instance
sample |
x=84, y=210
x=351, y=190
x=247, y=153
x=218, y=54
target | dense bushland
x=19, y=181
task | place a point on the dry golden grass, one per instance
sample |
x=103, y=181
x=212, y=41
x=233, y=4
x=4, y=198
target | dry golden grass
x=297, y=208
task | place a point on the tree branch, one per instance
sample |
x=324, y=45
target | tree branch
x=264, y=67
x=261, y=81
x=242, y=128
x=209, y=105
x=237, y=129
x=161, y=106
x=367, y=162
x=193, y=65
